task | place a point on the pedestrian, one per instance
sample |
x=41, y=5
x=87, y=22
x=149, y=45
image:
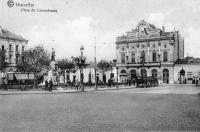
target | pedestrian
x=109, y=82
x=196, y=82
x=76, y=84
x=51, y=85
x=46, y=85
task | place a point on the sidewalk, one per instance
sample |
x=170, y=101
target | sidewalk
x=163, y=88
x=60, y=90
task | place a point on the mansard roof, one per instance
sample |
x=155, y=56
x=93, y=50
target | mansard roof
x=9, y=35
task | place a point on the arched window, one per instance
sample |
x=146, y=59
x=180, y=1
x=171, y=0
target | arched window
x=154, y=73
x=133, y=57
x=123, y=72
x=133, y=74
x=165, y=58
x=154, y=56
x=123, y=58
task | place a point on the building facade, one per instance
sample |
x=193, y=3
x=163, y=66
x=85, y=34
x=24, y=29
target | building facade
x=147, y=50
x=14, y=45
x=89, y=75
x=190, y=68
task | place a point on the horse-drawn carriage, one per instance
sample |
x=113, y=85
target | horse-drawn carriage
x=145, y=81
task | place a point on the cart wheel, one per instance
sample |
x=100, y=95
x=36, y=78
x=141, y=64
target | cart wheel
x=148, y=84
x=144, y=85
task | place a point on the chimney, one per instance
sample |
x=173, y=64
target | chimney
x=163, y=28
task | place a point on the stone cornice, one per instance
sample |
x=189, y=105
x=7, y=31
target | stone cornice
x=125, y=41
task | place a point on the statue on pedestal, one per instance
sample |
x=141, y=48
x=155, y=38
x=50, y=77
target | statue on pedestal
x=53, y=55
x=53, y=63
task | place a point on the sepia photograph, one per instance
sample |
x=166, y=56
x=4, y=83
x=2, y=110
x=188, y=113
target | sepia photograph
x=99, y=65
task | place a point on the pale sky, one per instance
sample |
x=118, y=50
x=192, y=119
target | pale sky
x=78, y=22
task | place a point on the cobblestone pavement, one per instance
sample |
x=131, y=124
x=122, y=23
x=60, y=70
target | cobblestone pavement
x=112, y=111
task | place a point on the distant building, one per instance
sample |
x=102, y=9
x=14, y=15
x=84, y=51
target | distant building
x=89, y=75
x=14, y=45
x=190, y=66
x=147, y=50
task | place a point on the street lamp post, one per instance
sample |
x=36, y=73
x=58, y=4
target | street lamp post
x=117, y=78
x=81, y=68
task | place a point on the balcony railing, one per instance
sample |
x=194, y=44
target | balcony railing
x=146, y=64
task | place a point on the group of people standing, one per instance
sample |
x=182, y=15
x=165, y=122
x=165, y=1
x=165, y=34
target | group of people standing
x=49, y=85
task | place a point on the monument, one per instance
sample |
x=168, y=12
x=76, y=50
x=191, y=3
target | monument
x=52, y=73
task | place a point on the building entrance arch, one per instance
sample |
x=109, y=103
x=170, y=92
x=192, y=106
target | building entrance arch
x=165, y=76
x=123, y=76
x=182, y=76
x=154, y=73
x=133, y=74
x=143, y=72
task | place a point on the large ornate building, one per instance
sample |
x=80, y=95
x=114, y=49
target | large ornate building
x=14, y=45
x=147, y=50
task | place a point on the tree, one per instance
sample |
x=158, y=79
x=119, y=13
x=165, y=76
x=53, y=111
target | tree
x=65, y=64
x=104, y=65
x=79, y=62
x=34, y=60
x=3, y=63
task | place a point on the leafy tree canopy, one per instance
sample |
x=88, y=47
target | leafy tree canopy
x=79, y=61
x=65, y=64
x=34, y=60
x=104, y=65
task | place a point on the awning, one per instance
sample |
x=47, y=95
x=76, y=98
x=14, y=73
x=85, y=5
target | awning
x=24, y=76
x=21, y=76
x=31, y=76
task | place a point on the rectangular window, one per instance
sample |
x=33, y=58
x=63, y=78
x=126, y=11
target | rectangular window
x=133, y=57
x=17, y=48
x=154, y=56
x=17, y=59
x=2, y=47
x=165, y=58
x=10, y=58
x=123, y=58
x=10, y=47
x=111, y=75
x=189, y=75
x=142, y=56
x=22, y=48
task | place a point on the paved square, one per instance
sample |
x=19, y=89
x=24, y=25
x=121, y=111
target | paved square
x=113, y=110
